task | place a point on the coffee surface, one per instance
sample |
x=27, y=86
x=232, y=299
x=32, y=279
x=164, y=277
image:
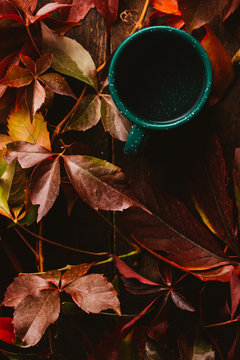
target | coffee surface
x=159, y=77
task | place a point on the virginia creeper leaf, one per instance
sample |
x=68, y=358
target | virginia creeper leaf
x=93, y=293
x=44, y=185
x=166, y=6
x=113, y=121
x=25, y=5
x=232, y=5
x=23, y=286
x=235, y=291
x=57, y=84
x=100, y=184
x=3, y=163
x=34, y=314
x=173, y=230
x=222, y=68
x=4, y=208
x=28, y=62
x=17, y=76
x=34, y=96
x=69, y=57
x=17, y=195
x=74, y=273
x=27, y=154
x=20, y=128
x=6, y=330
x=208, y=181
x=87, y=114
x=77, y=11
x=181, y=302
x=108, y=9
x=199, y=12
x=43, y=63
x=46, y=11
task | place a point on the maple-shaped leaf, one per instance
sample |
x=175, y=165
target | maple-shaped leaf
x=166, y=6
x=6, y=330
x=27, y=154
x=87, y=114
x=21, y=128
x=99, y=183
x=171, y=229
x=199, y=12
x=93, y=293
x=231, y=6
x=222, y=67
x=113, y=121
x=44, y=185
x=69, y=57
x=208, y=183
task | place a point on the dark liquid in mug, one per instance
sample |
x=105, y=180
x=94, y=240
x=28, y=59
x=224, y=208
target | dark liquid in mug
x=159, y=76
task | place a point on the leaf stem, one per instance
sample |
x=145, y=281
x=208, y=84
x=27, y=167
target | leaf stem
x=40, y=249
x=32, y=40
x=115, y=228
x=110, y=259
x=139, y=23
x=60, y=126
x=229, y=322
x=60, y=245
x=26, y=242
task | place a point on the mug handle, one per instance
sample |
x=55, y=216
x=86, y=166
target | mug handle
x=135, y=140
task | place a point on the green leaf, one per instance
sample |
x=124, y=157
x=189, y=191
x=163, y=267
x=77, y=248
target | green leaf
x=30, y=217
x=113, y=121
x=87, y=114
x=69, y=57
x=3, y=164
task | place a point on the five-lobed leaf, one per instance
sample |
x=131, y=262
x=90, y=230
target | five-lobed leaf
x=69, y=57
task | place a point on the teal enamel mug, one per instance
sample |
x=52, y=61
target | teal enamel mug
x=159, y=78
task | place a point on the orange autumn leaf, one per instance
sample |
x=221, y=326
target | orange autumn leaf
x=166, y=6
x=222, y=68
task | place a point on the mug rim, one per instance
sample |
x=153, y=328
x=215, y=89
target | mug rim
x=176, y=121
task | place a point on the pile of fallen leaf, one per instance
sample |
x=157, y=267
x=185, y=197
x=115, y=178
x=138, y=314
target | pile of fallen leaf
x=195, y=254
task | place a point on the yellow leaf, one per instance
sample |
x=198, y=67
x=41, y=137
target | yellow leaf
x=20, y=128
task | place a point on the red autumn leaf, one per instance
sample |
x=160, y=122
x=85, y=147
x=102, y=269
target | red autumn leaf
x=235, y=291
x=6, y=330
x=28, y=62
x=135, y=283
x=46, y=11
x=57, y=84
x=27, y=154
x=74, y=273
x=34, y=314
x=43, y=63
x=23, y=286
x=172, y=230
x=196, y=13
x=223, y=73
x=231, y=6
x=44, y=185
x=79, y=10
x=9, y=60
x=34, y=96
x=167, y=19
x=100, y=184
x=181, y=302
x=93, y=293
x=166, y=6
x=208, y=182
x=17, y=76
x=25, y=5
